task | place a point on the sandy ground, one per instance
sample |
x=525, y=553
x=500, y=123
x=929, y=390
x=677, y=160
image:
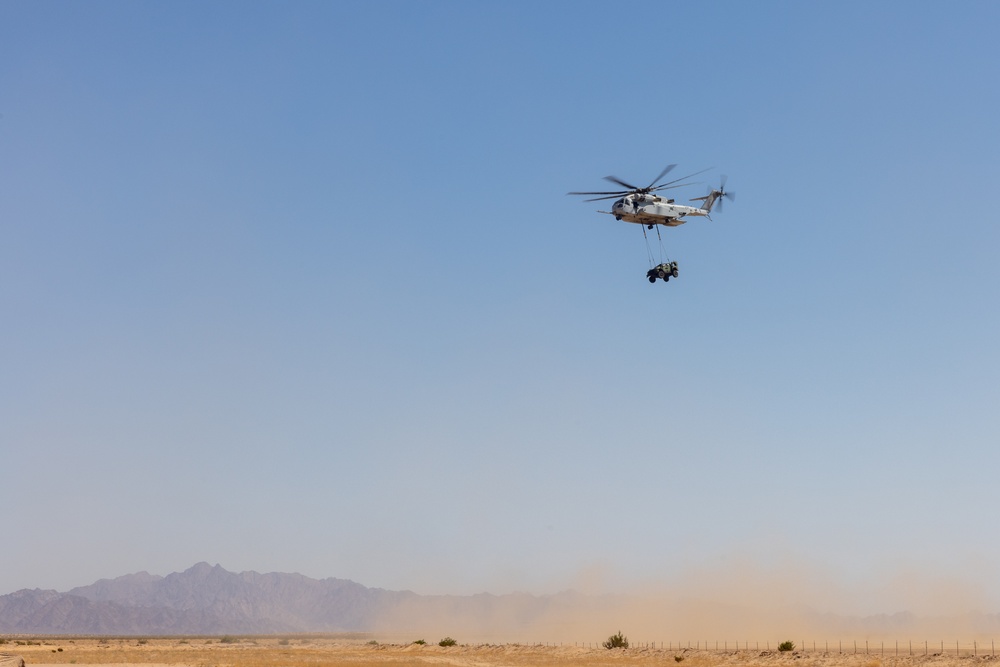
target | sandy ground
x=327, y=652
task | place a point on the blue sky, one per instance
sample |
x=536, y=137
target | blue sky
x=298, y=288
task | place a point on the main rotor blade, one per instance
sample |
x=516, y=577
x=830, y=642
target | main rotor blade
x=671, y=187
x=615, y=179
x=722, y=182
x=662, y=174
x=677, y=180
x=616, y=192
x=616, y=196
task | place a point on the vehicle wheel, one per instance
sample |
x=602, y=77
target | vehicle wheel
x=666, y=278
x=674, y=272
x=652, y=279
x=661, y=275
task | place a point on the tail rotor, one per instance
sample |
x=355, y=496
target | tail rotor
x=721, y=195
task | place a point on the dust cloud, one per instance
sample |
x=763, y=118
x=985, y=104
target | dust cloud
x=744, y=602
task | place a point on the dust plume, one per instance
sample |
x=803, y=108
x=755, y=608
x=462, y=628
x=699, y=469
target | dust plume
x=743, y=602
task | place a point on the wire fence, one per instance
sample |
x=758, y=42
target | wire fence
x=879, y=648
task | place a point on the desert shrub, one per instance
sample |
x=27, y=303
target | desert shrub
x=373, y=642
x=447, y=641
x=786, y=646
x=419, y=641
x=142, y=641
x=228, y=640
x=2, y=640
x=679, y=658
x=616, y=641
x=284, y=642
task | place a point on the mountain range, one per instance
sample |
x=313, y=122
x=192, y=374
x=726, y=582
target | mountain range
x=209, y=600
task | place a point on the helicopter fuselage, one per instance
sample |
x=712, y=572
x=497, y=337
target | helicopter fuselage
x=652, y=210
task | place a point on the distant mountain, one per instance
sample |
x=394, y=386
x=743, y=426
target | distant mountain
x=203, y=599
x=208, y=599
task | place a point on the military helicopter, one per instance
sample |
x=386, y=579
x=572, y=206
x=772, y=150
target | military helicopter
x=644, y=206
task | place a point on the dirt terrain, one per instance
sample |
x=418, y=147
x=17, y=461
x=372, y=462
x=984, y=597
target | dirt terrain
x=311, y=651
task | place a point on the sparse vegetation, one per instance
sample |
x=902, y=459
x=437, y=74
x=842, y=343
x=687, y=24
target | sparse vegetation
x=419, y=641
x=373, y=643
x=447, y=641
x=786, y=646
x=616, y=641
x=679, y=658
x=228, y=640
x=142, y=641
x=284, y=642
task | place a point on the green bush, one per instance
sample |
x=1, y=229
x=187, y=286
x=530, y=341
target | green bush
x=447, y=641
x=786, y=646
x=419, y=641
x=616, y=641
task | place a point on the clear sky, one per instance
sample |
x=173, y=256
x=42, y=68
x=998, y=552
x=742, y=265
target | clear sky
x=296, y=287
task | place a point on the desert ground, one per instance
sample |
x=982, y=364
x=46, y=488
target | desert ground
x=357, y=651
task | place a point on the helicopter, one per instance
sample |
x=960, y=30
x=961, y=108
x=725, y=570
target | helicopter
x=644, y=206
